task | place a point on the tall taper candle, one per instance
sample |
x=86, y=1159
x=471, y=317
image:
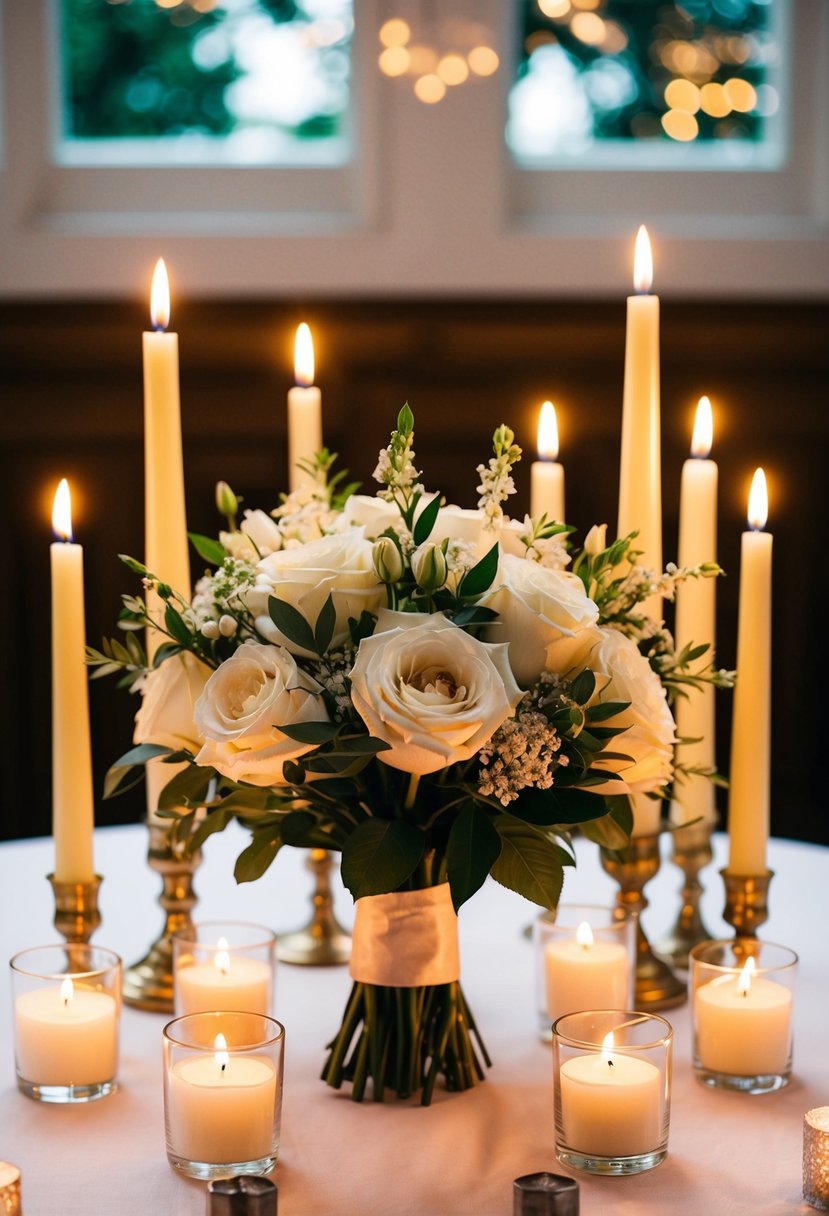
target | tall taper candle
x=696, y=619
x=640, y=482
x=546, y=474
x=304, y=412
x=748, y=799
x=165, y=519
x=72, y=803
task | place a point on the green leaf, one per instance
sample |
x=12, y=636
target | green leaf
x=379, y=856
x=301, y=829
x=606, y=709
x=529, y=863
x=474, y=614
x=363, y=628
x=135, y=757
x=175, y=625
x=582, y=688
x=253, y=861
x=362, y=745
x=473, y=849
x=405, y=420
x=563, y=806
x=247, y=799
x=426, y=521
x=187, y=788
x=480, y=578
x=324, y=628
x=311, y=732
x=293, y=772
x=292, y=624
x=613, y=830
x=216, y=821
x=211, y=550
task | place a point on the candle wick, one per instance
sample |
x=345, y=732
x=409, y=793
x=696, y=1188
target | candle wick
x=610, y=1063
x=224, y=1066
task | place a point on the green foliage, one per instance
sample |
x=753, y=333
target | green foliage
x=529, y=863
x=474, y=847
x=379, y=855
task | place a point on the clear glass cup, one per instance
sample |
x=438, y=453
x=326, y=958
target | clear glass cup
x=67, y=1012
x=585, y=958
x=223, y=1093
x=612, y=1080
x=224, y=965
x=742, y=997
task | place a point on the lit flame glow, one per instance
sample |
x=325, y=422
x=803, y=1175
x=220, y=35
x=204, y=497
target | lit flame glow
x=221, y=1056
x=703, y=436
x=67, y=991
x=304, y=356
x=62, y=512
x=160, y=296
x=608, y=1043
x=221, y=960
x=642, y=262
x=758, y=502
x=547, y=432
x=744, y=978
x=584, y=935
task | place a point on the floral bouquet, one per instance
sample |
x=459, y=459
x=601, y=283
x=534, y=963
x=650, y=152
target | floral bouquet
x=428, y=691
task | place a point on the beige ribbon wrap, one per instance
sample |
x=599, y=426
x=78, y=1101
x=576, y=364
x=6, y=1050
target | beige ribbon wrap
x=406, y=939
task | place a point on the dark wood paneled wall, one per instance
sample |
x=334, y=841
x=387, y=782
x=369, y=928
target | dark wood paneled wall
x=72, y=405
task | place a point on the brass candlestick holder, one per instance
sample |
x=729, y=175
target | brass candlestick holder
x=656, y=985
x=692, y=853
x=76, y=909
x=322, y=942
x=148, y=984
x=746, y=901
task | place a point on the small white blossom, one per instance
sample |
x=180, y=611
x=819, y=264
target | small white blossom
x=523, y=752
x=227, y=625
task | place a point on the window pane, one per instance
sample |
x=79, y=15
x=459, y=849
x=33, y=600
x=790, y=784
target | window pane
x=195, y=81
x=648, y=83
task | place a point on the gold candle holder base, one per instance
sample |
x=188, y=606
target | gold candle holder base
x=148, y=984
x=746, y=901
x=692, y=853
x=76, y=909
x=656, y=985
x=322, y=942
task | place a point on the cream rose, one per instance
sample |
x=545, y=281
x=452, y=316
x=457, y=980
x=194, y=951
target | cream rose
x=623, y=674
x=166, y=716
x=431, y=691
x=244, y=704
x=467, y=525
x=339, y=565
x=535, y=606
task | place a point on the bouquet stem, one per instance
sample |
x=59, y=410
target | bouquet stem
x=404, y=1039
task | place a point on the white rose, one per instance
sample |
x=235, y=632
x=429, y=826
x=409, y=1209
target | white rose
x=263, y=531
x=170, y=695
x=371, y=513
x=339, y=565
x=245, y=702
x=535, y=606
x=623, y=674
x=433, y=692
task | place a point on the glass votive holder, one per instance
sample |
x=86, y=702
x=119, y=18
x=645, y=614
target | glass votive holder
x=67, y=1010
x=223, y=1093
x=612, y=1079
x=224, y=965
x=741, y=1009
x=585, y=958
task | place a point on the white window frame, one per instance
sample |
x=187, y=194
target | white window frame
x=430, y=204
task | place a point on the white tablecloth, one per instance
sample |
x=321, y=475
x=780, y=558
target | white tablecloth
x=728, y=1153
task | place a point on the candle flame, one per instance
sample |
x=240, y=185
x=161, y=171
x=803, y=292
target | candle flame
x=160, y=296
x=67, y=991
x=584, y=935
x=642, y=262
x=608, y=1043
x=744, y=978
x=547, y=432
x=758, y=502
x=304, y=356
x=703, y=436
x=221, y=1056
x=62, y=512
x=222, y=958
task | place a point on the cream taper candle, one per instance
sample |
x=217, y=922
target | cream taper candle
x=304, y=412
x=696, y=619
x=546, y=474
x=748, y=799
x=72, y=802
x=640, y=483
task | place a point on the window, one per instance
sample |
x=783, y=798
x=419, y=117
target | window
x=205, y=81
